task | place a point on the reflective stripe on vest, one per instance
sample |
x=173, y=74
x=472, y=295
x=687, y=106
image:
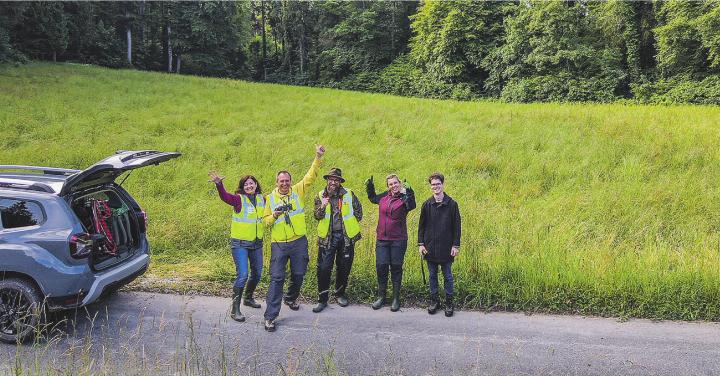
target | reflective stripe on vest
x=281, y=231
x=350, y=223
x=247, y=225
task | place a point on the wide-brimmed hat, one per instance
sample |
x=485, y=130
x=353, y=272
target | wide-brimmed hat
x=334, y=173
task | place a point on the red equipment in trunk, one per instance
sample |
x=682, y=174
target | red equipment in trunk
x=101, y=212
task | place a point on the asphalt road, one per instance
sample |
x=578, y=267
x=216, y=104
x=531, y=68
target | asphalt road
x=146, y=333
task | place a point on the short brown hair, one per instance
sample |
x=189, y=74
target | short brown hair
x=283, y=172
x=241, y=185
x=436, y=176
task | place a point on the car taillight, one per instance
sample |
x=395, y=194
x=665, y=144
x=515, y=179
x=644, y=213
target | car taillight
x=81, y=245
x=145, y=220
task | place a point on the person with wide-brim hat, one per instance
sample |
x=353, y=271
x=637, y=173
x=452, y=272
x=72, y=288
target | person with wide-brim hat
x=339, y=213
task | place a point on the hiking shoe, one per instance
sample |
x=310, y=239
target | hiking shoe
x=434, y=304
x=342, y=301
x=449, y=306
x=292, y=304
x=269, y=325
x=250, y=302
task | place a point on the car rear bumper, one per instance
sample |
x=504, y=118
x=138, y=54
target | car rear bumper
x=117, y=277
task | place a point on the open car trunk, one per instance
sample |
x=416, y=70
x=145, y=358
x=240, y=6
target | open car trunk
x=113, y=224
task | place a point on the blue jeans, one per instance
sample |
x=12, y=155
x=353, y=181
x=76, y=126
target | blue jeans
x=449, y=282
x=241, y=256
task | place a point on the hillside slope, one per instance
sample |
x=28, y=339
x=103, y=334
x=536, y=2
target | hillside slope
x=602, y=209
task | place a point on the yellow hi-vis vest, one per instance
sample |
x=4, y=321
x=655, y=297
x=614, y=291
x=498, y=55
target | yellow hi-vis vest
x=350, y=223
x=281, y=231
x=247, y=225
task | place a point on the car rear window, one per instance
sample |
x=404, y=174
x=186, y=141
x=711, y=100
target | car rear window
x=20, y=213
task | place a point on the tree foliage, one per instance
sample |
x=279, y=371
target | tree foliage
x=524, y=50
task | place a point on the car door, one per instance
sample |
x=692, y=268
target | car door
x=108, y=169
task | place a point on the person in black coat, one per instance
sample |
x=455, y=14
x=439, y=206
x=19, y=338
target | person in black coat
x=439, y=240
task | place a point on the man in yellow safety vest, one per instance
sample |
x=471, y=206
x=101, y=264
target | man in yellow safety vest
x=339, y=212
x=285, y=214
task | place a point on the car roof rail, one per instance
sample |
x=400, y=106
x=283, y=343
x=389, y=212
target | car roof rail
x=34, y=186
x=44, y=170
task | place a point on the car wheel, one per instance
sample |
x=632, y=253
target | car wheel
x=21, y=310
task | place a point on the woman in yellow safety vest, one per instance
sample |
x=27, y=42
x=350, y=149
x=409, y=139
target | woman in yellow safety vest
x=246, y=238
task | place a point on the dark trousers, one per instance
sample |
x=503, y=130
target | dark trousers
x=342, y=256
x=389, y=255
x=449, y=281
x=296, y=252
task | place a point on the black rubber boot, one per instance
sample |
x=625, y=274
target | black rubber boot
x=395, y=305
x=249, y=292
x=434, y=304
x=235, y=313
x=319, y=307
x=382, y=276
x=449, y=306
x=380, y=302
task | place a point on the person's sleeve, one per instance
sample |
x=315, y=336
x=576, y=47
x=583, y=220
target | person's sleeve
x=228, y=198
x=370, y=189
x=308, y=179
x=319, y=210
x=421, y=225
x=409, y=199
x=268, y=218
x=357, y=208
x=456, y=226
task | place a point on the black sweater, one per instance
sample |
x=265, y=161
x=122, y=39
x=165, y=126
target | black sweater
x=439, y=228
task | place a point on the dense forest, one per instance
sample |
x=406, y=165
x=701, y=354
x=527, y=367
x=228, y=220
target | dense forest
x=523, y=51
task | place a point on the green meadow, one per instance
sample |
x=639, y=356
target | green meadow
x=604, y=209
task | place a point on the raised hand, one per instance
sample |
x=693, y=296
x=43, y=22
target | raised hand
x=214, y=177
x=319, y=150
x=406, y=185
x=369, y=181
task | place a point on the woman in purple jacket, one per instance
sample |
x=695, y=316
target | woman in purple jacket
x=394, y=206
x=244, y=248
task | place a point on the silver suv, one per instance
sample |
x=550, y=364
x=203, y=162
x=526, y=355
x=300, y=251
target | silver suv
x=66, y=237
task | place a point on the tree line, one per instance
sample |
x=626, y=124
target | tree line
x=646, y=51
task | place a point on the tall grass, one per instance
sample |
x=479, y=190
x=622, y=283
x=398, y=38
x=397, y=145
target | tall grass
x=94, y=342
x=581, y=208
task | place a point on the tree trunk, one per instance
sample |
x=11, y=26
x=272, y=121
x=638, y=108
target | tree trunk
x=393, y=6
x=177, y=65
x=302, y=41
x=170, y=55
x=142, y=23
x=129, y=45
x=264, y=42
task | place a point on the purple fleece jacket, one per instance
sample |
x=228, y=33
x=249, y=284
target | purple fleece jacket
x=393, y=210
x=231, y=199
